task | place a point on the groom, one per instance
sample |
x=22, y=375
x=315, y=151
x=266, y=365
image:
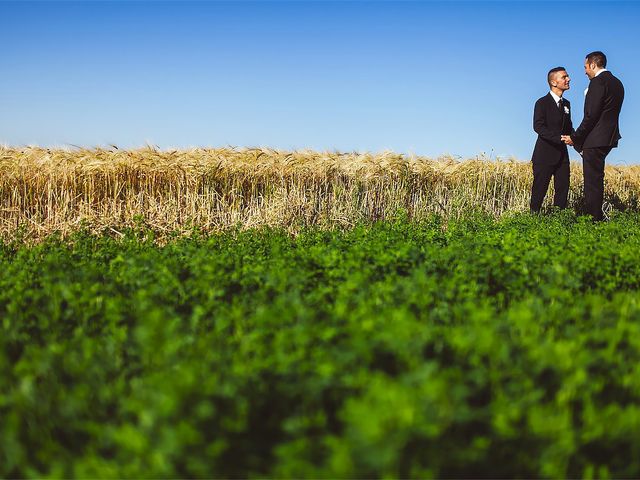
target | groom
x=599, y=131
x=551, y=120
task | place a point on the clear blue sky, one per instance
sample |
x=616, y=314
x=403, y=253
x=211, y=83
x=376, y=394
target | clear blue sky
x=420, y=77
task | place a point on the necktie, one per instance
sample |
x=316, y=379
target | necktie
x=560, y=106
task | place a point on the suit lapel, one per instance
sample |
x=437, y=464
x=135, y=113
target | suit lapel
x=553, y=105
x=558, y=113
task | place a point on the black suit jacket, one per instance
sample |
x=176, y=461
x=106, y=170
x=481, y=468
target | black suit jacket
x=549, y=122
x=602, y=106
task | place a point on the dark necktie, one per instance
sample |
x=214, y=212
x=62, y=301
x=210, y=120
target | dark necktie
x=560, y=106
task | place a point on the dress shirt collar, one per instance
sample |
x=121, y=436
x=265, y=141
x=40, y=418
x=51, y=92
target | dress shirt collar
x=599, y=72
x=555, y=97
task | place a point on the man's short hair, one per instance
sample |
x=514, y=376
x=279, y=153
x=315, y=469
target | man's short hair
x=552, y=72
x=599, y=58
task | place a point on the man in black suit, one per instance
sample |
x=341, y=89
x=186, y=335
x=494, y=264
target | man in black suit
x=551, y=120
x=599, y=131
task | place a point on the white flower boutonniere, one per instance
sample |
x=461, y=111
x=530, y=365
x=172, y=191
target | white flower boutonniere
x=566, y=110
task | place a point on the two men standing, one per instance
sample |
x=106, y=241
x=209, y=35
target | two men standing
x=595, y=137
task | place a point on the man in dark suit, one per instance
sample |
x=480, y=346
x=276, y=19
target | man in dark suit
x=551, y=120
x=599, y=131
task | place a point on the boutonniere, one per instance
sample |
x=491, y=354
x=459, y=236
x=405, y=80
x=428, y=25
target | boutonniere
x=566, y=110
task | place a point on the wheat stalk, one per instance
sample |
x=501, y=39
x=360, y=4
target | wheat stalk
x=60, y=190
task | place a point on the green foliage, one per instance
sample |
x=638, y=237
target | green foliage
x=397, y=349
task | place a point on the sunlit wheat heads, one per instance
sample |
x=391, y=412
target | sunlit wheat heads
x=61, y=190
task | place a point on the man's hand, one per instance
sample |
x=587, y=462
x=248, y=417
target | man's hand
x=566, y=139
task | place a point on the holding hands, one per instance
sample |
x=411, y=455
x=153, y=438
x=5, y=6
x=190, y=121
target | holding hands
x=566, y=139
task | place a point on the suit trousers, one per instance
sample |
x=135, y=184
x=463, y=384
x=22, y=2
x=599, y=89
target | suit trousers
x=542, y=174
x=593, y=168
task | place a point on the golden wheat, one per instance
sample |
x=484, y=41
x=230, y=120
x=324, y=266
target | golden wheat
x=47, y=190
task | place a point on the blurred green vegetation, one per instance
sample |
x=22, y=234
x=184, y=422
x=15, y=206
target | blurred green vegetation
x=483, y=348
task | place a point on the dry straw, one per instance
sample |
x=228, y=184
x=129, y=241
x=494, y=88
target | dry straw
x=45, y=190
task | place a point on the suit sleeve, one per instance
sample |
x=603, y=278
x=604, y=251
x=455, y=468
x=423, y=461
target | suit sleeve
x=593, y=107
x=540, y=125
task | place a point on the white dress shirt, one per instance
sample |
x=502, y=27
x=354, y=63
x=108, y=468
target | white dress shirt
x=556, y=98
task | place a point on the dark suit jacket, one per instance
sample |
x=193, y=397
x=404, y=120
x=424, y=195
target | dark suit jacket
x=549, y=122
x=602, y=106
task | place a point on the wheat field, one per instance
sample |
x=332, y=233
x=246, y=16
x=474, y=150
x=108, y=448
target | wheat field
x=62, y=190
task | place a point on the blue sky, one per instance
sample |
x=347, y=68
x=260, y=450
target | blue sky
x=417, y=77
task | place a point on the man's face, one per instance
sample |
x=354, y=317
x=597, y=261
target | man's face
x=589, y=69
x=562, y=80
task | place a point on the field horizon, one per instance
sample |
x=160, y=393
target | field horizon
x=47, y=190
